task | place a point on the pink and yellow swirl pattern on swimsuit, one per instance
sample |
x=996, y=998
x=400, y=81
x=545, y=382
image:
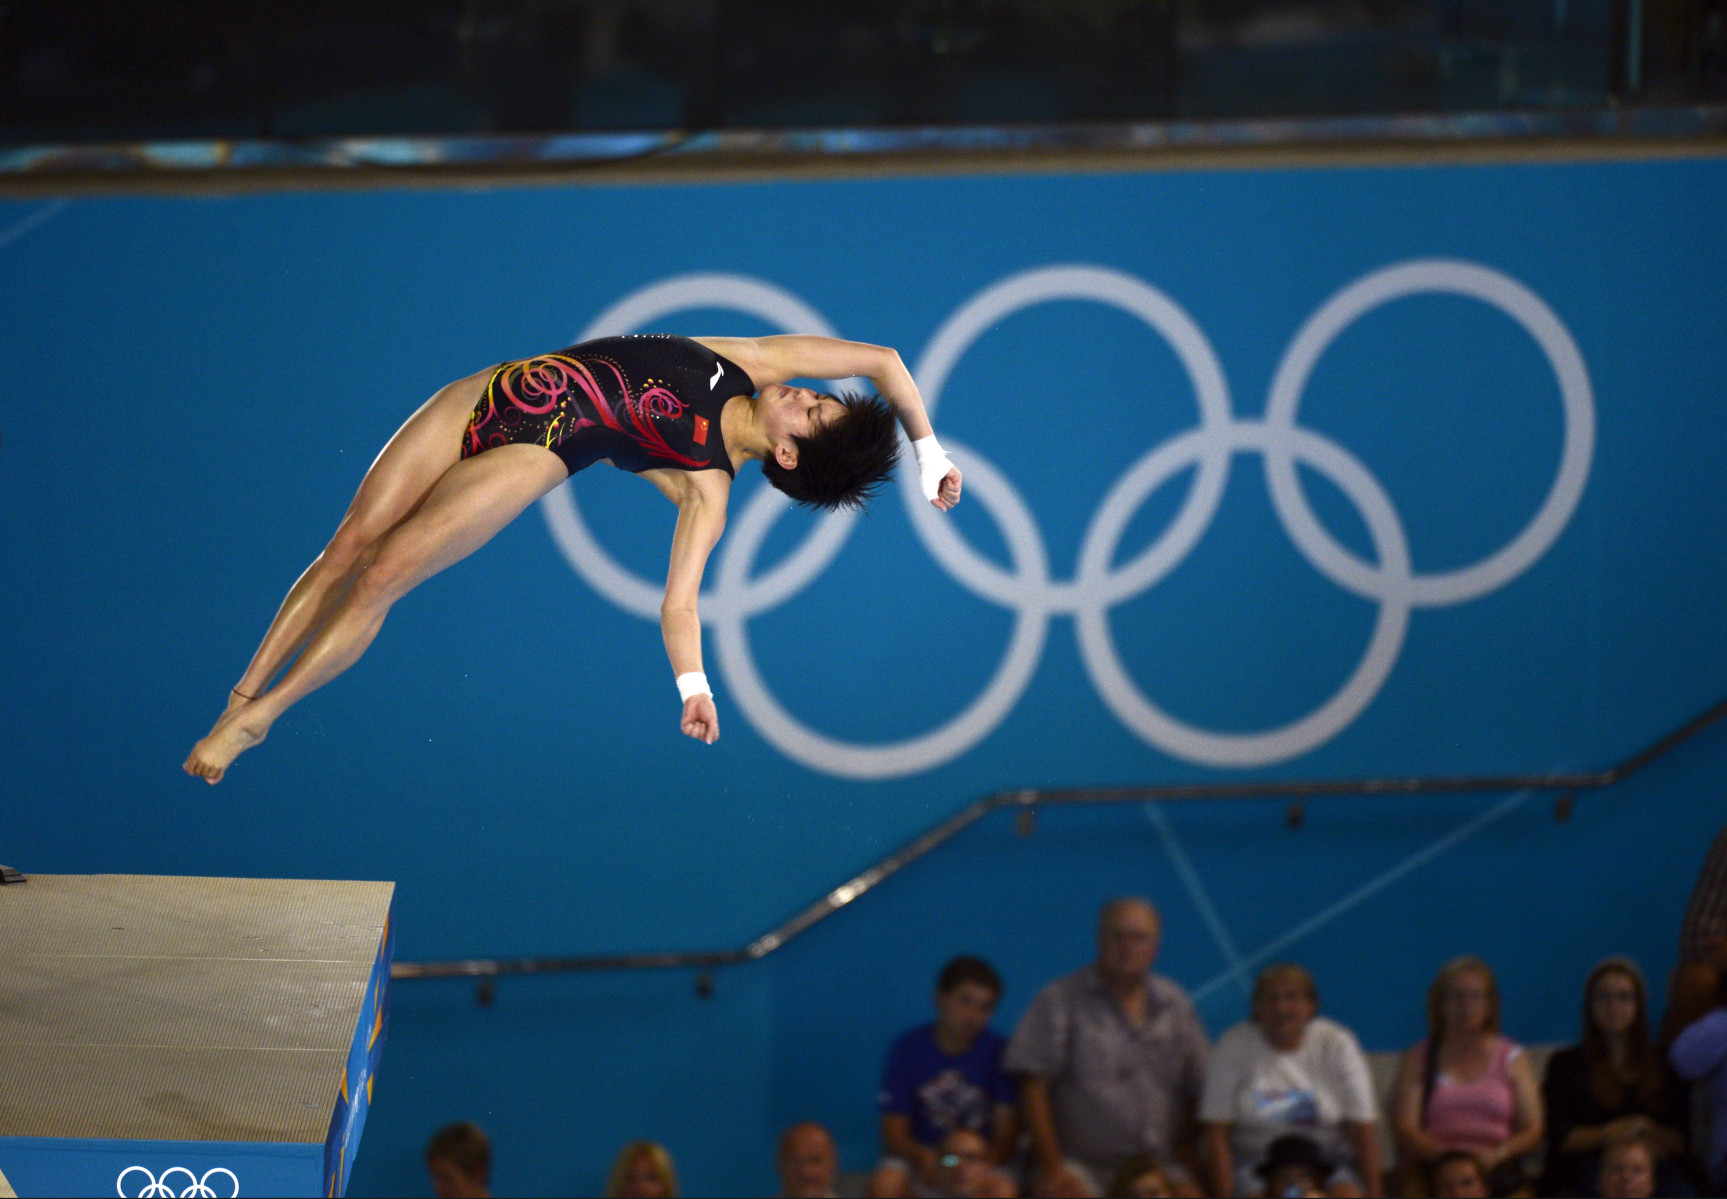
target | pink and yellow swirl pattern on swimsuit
x=553, y=398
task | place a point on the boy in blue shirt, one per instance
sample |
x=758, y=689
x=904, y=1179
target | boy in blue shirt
x=943, y=1076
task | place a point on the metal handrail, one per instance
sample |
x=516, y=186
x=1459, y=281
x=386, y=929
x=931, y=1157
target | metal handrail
x=1027, y=800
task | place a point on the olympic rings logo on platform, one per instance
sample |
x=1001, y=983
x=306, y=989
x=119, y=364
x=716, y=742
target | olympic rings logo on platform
x=1028, y=590
x=159, y=1188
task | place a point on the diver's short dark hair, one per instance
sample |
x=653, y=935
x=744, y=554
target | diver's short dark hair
x=968, y=969
x=844, y=464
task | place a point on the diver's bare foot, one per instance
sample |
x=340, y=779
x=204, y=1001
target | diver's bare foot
x=230, y=738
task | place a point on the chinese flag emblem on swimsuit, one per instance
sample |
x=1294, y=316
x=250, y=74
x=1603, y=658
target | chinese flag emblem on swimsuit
x=701, y=430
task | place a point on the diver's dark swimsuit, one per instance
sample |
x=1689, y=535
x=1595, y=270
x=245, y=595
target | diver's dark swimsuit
x=642, y=401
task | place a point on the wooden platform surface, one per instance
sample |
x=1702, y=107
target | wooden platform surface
x=162, y=1008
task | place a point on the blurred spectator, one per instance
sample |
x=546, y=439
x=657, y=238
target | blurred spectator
x=1289, y=1070
x=1459, y=1175
x=1699, y=1054
x=1465, y=1086
x=1702, y=945
x=643, y=1170
x=966, y=1169
x=1293, y=1168
x=1141, y=1176
x=459, y=1159
x=1704, y=927
x=1628, y=1166
x=944, y=1076
x=1613, y=1081
x=1113, y=1060
x=808, y=1162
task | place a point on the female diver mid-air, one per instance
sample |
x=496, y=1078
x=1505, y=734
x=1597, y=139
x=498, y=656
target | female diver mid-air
x=683, y=413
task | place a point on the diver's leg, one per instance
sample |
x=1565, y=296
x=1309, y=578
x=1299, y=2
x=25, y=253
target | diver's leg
x=398, y=481
x=466, y=508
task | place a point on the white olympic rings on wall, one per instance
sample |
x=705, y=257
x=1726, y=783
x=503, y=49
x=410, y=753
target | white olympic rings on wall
x=155, y=1188
x=1028, y=590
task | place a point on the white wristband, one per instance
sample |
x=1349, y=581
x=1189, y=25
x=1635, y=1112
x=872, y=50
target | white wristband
x=932, y=465
x=693, y=683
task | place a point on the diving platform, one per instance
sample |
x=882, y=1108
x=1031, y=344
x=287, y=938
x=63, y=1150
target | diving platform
x=197, y=1036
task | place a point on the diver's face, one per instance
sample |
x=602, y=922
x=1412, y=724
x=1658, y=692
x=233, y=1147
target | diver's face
x=788, y=412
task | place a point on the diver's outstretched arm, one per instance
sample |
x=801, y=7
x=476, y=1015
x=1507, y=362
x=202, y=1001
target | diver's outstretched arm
x=701, y=520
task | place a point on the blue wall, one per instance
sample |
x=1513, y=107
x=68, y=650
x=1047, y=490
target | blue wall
x=193, y=388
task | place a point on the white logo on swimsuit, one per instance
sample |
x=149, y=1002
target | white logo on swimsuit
x=199, y=1188
x=719, y=372
x=1098, y=586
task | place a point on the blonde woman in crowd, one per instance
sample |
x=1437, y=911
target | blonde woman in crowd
x=643, y=1171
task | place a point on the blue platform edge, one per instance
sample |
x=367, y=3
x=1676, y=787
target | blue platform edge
x=91, y=1166
x=367, y=1049
x=40, y=1166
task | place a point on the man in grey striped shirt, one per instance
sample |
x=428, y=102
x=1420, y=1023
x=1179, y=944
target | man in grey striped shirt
x=1112, y=1060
